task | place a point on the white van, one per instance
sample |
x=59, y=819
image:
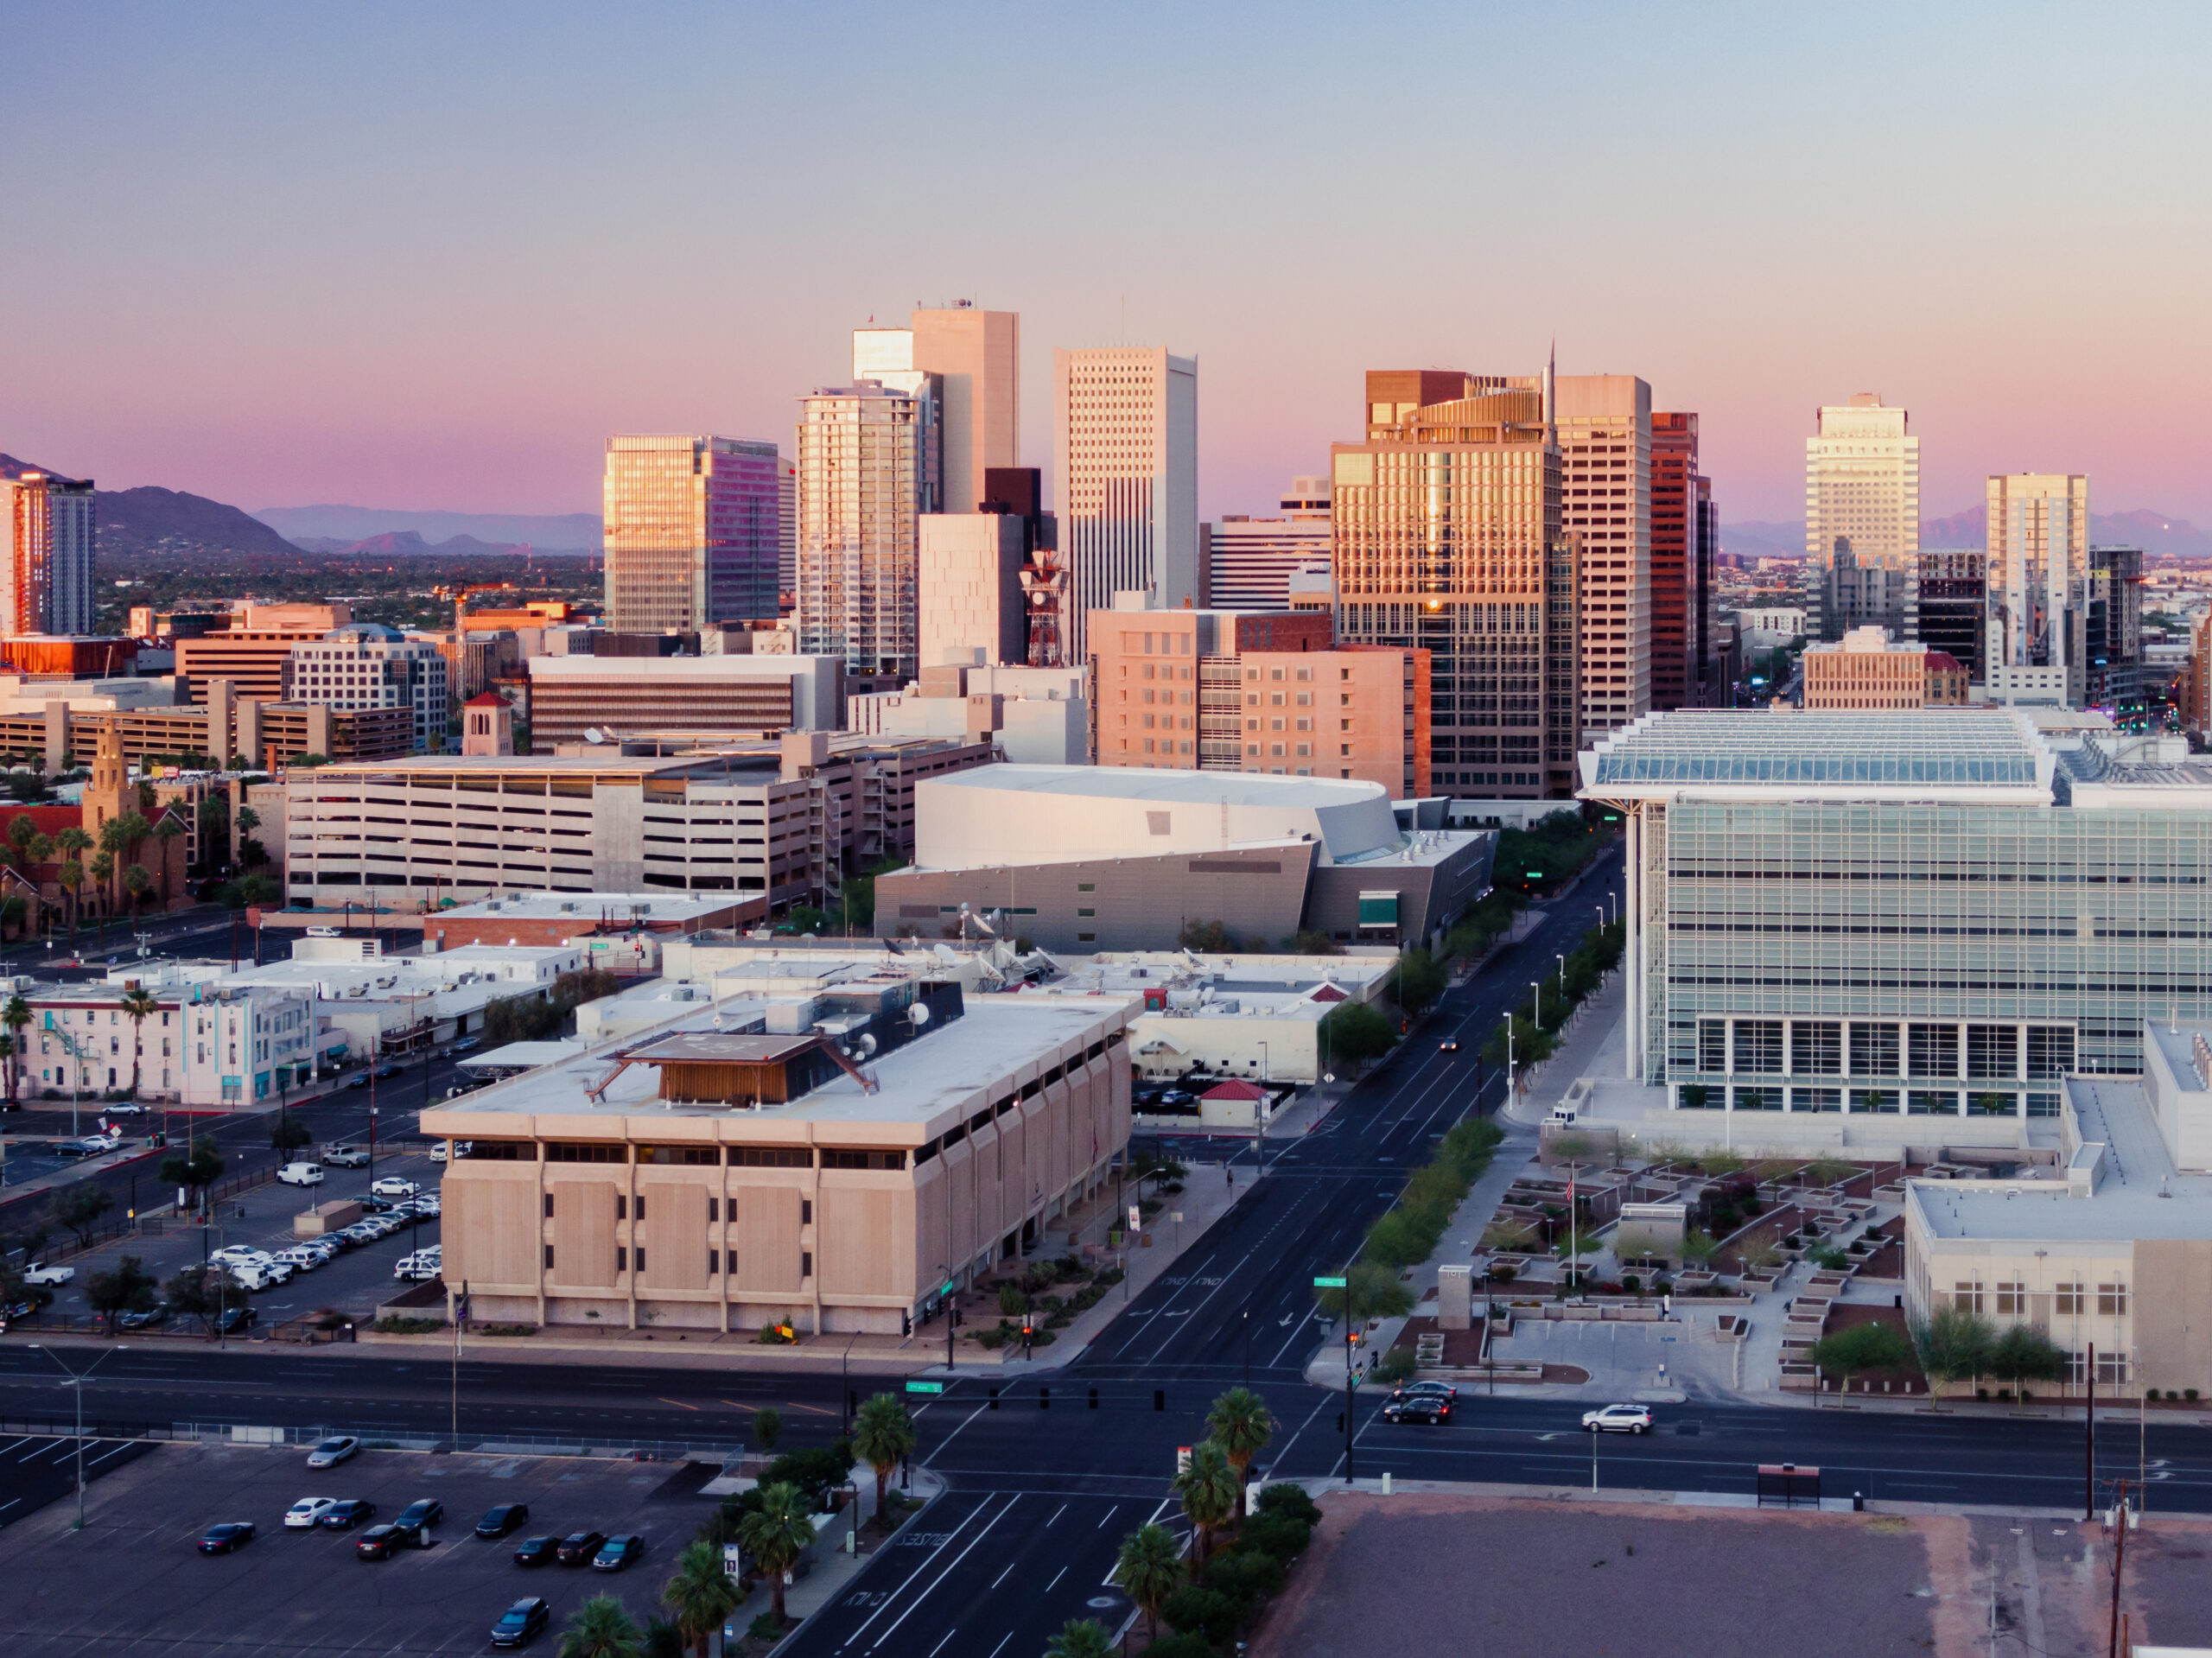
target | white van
x=300, y=1174
x=323, y=932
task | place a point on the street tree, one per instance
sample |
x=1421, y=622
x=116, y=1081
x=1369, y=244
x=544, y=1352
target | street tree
x=1862, y=1348
x=602, y=1628
x=1240, y=1424
x=194, y=1169
x=203, y=1293
x=1954, y=1344
x=127, y=1287
x=2025, y=1354
x=767, y=1427
x=171, y=827
x=883, y=1435
x=777, y=1533
x=1081, y=1637
x=288, y=1133
x=1207, y=1489
x=1149, y=1570
x=138, y=1005
x=79, y=1206
x=137, y=882
x=699, y=1595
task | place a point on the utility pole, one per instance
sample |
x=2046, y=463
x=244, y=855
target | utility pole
x=2089, y=1442
x=1349, y=1412
x=77, y=1380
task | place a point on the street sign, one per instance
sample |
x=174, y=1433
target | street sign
x=1328, y=1283
x=1182, y=1459
x=1137, y=1218
x=925, y=1387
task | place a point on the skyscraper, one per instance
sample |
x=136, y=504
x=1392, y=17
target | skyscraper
x=869, y=459
x=1125, y=450
x=1248, y=562
x=1862, y=493
x=976, y=357
x=1448, y=539
x=1676, y=641
x=49, y=581
x=1603, y=422
x=1715, y=688
x=693, y=527
x=2038, y=531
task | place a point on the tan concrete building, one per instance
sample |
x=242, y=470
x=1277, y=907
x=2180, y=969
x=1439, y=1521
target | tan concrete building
x=735, y=693
x=1604, y=427
x=838, y=1170
x=1862, y=494
x=971, y=594
x=253, y=652
x=1866, y=670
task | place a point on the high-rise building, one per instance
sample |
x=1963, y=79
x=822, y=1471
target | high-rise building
x=2038, y=573
x=48, y=583
x=1248, y=562
x=1125, y=448
x=1448, y=539
x=1714, y=687
x=368, y=666
x=975, y=357
x=1950, y=604
x=1603, y=422
x=2111, y=634
x=692, y=529
x=1677, y=646
x=1862, y=492
x=868, y=468
x=787, y=537
x=971, y=587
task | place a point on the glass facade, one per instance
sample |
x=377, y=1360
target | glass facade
x=868, y=467
x=1932, y=958
x=694, y=530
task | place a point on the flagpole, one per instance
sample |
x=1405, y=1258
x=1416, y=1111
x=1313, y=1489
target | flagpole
x=460, y=1317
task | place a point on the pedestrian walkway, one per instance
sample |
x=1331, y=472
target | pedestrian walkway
x=1594, y=1044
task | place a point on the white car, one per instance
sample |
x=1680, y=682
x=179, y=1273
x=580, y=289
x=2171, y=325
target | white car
x=437, y=1153
x=332, y=1451
x=107, y=1141
x=261, y=1275
x=428, y=1204
x=303, y=1515
x=38, y=1272
x=392, y=1186
x=126, y=1110
x=418, y=1267
x=300, y=1174
x=1619, y=1418
x=239, y=1255
x=301, y=1259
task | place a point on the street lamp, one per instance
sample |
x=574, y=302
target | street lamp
x=1537, y=985
x=1562, y=980
x=77, y=1380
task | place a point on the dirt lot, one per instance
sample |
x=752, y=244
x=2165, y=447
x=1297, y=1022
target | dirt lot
x=1434, y=1573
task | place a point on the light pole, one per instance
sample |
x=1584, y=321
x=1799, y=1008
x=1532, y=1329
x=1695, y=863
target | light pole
x=77, y=1380
x=1537, y=985
x=1562, y=981
x=1260, y=1116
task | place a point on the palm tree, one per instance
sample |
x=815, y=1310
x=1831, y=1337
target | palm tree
x=882, y=1434
x=15, y=1016
x=602, y=1628
x=1081, y=1637
x=777, y=1532
x=21, y=834
x=1208, y=1489
x=137, y=1003
x=701, y=1595
x=73, y=877
x=103, y=874
x=1240, y=1424
x=1149, y=1570
x=111, y=844
x=248, y=821
x=166, y=830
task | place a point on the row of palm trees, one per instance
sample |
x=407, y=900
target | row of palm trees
x=138, y=1005
x=110, y=868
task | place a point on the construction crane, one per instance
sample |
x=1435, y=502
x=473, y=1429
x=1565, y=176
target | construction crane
x=461, y=597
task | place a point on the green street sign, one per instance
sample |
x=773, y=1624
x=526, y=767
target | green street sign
x=925, y=1387
x=1328, y=1283
x=948, y=1287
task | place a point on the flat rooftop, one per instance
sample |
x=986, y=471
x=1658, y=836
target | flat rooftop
x=1842, y=754
x=1176, y=788
x=655, y=908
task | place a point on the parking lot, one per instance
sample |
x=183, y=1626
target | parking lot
x=353, y=1283
x=134, y=1583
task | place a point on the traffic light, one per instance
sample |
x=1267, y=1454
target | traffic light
x=1340, y=1421
x=1044, y=1398
x=1094, y=1399
x=1160, y=1399
x=995, y=1399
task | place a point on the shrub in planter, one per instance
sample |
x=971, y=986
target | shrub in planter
x=1504, y=1273
x=1289, y=1502
x=1206, y=1612
x=2190, y=1394
x=1981, y=1393
x=1245, y=1576
x=1631, y=1283
x=1395, y=1367
x=1280, y=1537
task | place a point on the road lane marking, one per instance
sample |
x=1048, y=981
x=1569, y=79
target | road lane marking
x=942, y=1575
x=924, y=1565
x=1057, y=1512
x=1055, y=1583
x=1108, y=1514
x=678, y=1403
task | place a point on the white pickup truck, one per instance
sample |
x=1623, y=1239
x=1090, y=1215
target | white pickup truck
x=40, y=1273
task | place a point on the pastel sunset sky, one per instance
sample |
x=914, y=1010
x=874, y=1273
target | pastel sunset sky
x=426, y=256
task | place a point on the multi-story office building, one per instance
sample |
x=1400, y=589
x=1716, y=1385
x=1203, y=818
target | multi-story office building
x=976, y=357
x=2038, y=531
x=1448, y=539
x=1681, y=562
x=368, y=666
x=1951, y=605
x=1125, y=450
x=1862, y=492
x=255, y=649
x=48, y=586
x=1248, y=562
x=869, y=467
x=2115, y=669
x=1934, y=913
x=632, y=697
x=1866, y=670
x=694, y=530
x=1259, y=691
x=2197, y=680
x=1713, y=679
x=971, y=587
x=787, y=534
x=1862, y=590
x=1603, y=423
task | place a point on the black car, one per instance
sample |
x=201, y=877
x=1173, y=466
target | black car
x=520, y=1621
x=359, y=1079
x=534, y=1551
x=387, y=1070
x=1423, y=1407
x=420, y=1516
x=578, y=1546
x=1443, y=1390
x=347, y=1513
x=497, y=1523
x=222, y=1540
x=237, y=1319
x=618, y=1552
x=378, y=1542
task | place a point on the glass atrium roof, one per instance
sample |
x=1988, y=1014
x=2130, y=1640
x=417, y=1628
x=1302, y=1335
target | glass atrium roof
x=1824, y=750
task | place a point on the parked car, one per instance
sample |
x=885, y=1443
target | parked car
x=467, y=1044
x=536, y=1551
x=300, y=1258
x=1425, y=1408
x=421, y=1516
x=146, y=1320
x=616, y=1552
x=377, y=1542
x=521, y=1623
x=578, y=1546
x=336, y=1449
x=239, y=1255
x=1443, y=1390
x=392, y=1186
x=347, y=1513
x=300, y=1174
x=429, y=1205
x=307, y=1512
x=222, y=1538
x=418, y=1269
x=126, y=1109
x=261, y=1275
x=235, y=1319
x=39, y=1274
x=1619, y=1418
x=386, y=1070
x=345, y=1157
x=70, y=1148
x=107, y=1141
x=497, y=1523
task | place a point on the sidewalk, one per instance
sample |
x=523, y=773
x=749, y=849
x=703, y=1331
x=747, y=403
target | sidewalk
x=1594, y=1044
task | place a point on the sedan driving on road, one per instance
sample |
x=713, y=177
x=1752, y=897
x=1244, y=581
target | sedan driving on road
x=1443, y=1390
x=1422, y=1407
x=1619, y=1418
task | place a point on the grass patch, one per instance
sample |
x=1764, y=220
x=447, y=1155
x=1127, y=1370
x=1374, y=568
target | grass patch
x=393, y=1325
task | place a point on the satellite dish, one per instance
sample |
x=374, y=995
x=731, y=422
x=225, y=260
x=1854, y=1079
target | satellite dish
x=920, y=1014
x=593, y=734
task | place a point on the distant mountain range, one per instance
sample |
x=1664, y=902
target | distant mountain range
x=405, y=544
x=2154, y=532
x=150, y=518
x=350, y=526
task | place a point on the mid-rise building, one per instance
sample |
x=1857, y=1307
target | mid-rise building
x=1862, y=494
x=47, y=585
x=202, y=1045
x=970, y=586
x=368, y=666
x=254, y=648
x=1866, y=670
x=1448, y=539
x=976, y=357
x=1679, y=563
x=1248, y=562
x=1951, y=605
x=729, y=695
x=1713, y=681
x=2197, y=680
x=2115, y=670
x=1125, y=450
x=869, y=467
x=694, y=531
x=1864, y=590
x=2038, y=531
x=1037, y=716
x=1603, y=424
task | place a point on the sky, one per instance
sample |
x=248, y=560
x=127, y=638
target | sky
x=429, y=256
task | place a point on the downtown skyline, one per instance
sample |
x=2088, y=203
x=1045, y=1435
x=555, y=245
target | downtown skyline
x=418, y=261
